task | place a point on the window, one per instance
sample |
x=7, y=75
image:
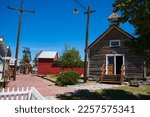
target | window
x=110, y=59
x=114, y=43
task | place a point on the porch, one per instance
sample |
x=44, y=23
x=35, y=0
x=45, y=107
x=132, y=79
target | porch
x=108, y=76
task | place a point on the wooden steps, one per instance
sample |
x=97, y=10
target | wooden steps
x=112, y=78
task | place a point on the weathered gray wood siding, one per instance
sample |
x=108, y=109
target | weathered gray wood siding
x=98, y=51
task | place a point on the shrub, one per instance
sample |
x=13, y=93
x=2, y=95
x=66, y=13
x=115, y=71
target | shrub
x=67, y=78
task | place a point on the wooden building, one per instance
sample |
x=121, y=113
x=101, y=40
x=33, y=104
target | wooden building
x=4, y=63
x=46, y=60
x=47, y=64
x=109, y=60
x=3, y=50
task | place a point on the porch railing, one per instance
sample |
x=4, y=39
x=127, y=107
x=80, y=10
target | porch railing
x=122, y=73
x=118, y=78
x=102, y=72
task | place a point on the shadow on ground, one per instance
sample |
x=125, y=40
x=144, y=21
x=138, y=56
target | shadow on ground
x=106, y=94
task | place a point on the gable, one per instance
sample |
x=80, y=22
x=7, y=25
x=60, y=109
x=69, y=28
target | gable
x=112, y=33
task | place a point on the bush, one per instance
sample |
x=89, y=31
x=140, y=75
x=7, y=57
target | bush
x=67, y=78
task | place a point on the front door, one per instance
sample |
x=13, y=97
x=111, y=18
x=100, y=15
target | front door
x=119, y=62
x=114, y=63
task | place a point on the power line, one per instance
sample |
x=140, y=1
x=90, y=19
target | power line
x=77, y=2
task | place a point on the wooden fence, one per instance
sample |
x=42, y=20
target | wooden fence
x=20, y=94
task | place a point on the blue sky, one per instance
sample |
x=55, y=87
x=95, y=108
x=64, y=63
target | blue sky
x=53, y=24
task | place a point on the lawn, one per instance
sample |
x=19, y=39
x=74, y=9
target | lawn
x=52, y=77
x=119, y=93
x=148, y=80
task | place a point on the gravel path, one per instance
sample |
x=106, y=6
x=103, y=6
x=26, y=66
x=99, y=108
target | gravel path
x=93, y=86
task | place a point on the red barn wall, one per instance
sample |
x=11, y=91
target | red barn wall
x=49, y=67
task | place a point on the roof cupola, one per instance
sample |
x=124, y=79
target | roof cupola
x=114, y=19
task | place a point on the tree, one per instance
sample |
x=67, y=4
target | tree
x=137, y=13
x=70, y=58
x=25, y=63
x=25, y=59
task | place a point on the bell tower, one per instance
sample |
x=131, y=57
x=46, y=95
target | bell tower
x=114, y=19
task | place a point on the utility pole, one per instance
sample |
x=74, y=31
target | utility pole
x=21, y=10
x=88, y=12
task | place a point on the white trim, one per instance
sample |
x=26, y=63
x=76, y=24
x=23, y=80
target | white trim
x=107, y=55
x=107, y=31
x=114, y=41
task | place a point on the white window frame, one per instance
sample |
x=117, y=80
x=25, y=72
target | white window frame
x=114, y=41
x=114, y=55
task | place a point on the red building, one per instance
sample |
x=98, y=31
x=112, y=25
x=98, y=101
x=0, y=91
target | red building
x=47, y=64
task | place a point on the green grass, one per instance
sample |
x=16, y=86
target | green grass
x=148, y=80
x=145, y=90
x=52, y=77
x=119, y=93
x=81, y=79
